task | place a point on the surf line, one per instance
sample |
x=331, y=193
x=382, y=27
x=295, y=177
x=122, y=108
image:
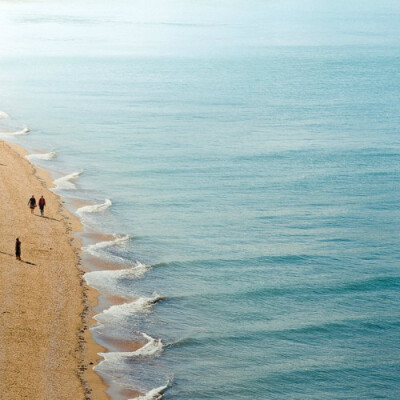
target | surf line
x=101, y=280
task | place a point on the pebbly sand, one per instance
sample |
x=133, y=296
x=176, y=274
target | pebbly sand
x=46, y=350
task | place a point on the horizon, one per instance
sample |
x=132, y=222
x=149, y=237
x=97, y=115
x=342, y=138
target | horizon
x=156, y=28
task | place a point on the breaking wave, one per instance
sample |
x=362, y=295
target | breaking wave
x=95, y=207
x=140, y=305
x=152, y=347
x=42, y=156
x=93, y=249
x=108, y=278
x=21, y=132
x=154, y=394
x=65, y=181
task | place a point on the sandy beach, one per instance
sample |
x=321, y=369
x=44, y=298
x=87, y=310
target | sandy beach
x=46, y=351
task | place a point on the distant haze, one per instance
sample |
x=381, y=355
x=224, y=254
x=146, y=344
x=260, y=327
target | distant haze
x=159, y=27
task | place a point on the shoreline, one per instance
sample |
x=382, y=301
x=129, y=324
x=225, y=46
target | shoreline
x=46, y=307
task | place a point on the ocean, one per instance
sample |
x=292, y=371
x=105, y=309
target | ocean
x=238, y=181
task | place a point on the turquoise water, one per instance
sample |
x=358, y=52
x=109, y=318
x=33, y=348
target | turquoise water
x=254, y=197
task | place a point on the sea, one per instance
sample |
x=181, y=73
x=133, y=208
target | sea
x=236, y=168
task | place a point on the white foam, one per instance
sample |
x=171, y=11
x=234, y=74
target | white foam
x=140, y=305
x=154, y=394
x=42, y=156
x=135, y=272
x=95, y=207
x=21, y=132
x=65, y=181
x=94, y=248
x=152, y=347
x=4, y=115
x=109, y=278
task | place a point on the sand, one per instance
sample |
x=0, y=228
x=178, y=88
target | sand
x=46, y=350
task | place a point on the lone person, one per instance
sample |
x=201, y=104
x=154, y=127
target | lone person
x=32, y=203
x=42, y=203
x=18, y=249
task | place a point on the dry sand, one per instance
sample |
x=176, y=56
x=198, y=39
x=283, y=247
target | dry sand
x=46, y=351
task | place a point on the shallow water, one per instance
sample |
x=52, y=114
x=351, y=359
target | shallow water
x=254, y=206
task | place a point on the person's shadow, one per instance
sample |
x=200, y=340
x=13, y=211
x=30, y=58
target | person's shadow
x=12, y=255
x=53, y=219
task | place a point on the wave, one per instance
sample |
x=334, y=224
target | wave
x=65, y=181
x=154, y=394
x=21, y=132
x=374, y=284
x=4, y=115
x=42, y=156
x=135, y=272
x=105, y=279
x=152, y=347
x=261, y=261
x=140, y=305
x=94, y=248
x=95, y=207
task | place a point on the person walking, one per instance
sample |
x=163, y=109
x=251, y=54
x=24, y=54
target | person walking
x=32, y=203
x=42, y=203
x=18, y=249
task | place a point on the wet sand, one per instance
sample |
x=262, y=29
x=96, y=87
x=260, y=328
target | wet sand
x=46, y=350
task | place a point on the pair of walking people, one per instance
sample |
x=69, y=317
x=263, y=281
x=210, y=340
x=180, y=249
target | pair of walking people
x=32, y=204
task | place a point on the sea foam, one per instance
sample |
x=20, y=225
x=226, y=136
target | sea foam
x=4, y=115
x=42, y=156
x=152, y=347
x=65, y=181
x=21, y=132
x=140, y=305
x=109, y=278
x=95, y=249
x=95, y=208
x=154, y=394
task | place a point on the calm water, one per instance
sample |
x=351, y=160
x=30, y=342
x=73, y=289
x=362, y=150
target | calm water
x=255, y=202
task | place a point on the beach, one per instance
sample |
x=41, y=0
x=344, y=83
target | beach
x=223, y=206
x=46, y=351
